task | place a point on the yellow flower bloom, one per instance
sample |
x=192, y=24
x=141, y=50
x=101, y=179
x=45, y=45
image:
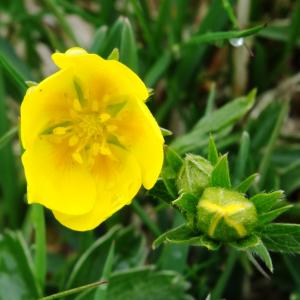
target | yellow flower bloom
x=90, y=141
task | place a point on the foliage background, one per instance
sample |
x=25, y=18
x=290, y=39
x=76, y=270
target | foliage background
x=191, y=80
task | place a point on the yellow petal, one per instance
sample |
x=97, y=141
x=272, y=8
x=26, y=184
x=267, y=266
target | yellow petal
x=117, y=183
x=143, y=138
x=105, y=76
x=46, y=104
x=55, y=181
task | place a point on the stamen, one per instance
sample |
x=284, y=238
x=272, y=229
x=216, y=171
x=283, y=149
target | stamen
x=105, y=150
x=60, y=130
x=96, y=149
x=73, y=140
x=77, y=105
x=77, y=157
x=104, y=117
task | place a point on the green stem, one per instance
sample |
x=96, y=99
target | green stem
x=221, y=284
x=73, y=291
x=40, y=244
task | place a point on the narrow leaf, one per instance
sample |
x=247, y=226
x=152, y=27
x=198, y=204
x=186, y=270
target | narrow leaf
x=273, y=214
x=245, y=185
x=262, y=252
x=7, y=137
x=186, y=203
x=220, y=175
x=212, y=151
x=212, y=37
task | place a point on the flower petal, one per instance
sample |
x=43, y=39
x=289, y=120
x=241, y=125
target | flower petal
x=46, y=104
x=55, y=181
x=117, y=183
x=105, y=76
x=143, y=138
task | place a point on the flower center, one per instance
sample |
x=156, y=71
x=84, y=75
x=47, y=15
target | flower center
x=90, y=131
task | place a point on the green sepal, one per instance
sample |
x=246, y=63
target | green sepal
x=213, y=155
x=179, y=235
x=281, y=237
x=264, y=202
x=173, y=159
x=31, y=83
x=114, y=55
x=262, y=252
x=245, y=184
x=246, y=243
x=113, y=139
x=165, y=132
x=115, y=108
x=273, y=214
x=220, y=176
x=79, y=91
x=186, y=203
x=208, y=243
x=160, y=192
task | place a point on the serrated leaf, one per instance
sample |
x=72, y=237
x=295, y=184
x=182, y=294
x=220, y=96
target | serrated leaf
x=245, y=184
x=262, y=252
x=273, y=214
x=180, y=235
x=212, y=151
x=187, y=203
x=220, y=176
x=265, y=201
x=282, y=237
x=147, y=284
x=246, y=243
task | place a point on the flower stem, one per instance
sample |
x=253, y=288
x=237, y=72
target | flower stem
x=73, y=291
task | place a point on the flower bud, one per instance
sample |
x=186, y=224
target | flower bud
x=194, y=175
x=225, y=215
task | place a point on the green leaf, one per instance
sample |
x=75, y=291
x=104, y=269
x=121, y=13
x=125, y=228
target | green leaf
x=158, y=69
x=16, y=269
x=160, y=192
x=147, y=284
x=114, y=55
x=173, y=159
x=273, y=214
x=128, y=47
x=262, y=252
x=187, y=203
x=8, y=136
x=245, y=184
x=40, y=254
x=220, y=176
x=98, y=43
x=246, y=243
x=242, y=159
x=101, y=291
x=212, y=37
x=181, y=235
x=14, y=74
x=213, y=155
x=214, y=122
x=282, y=237
x=265, y=202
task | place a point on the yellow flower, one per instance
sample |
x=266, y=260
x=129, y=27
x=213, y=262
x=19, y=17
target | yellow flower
x=90, y=141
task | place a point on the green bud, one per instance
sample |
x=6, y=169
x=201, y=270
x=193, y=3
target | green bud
x=194, y=175
x=225, y=215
